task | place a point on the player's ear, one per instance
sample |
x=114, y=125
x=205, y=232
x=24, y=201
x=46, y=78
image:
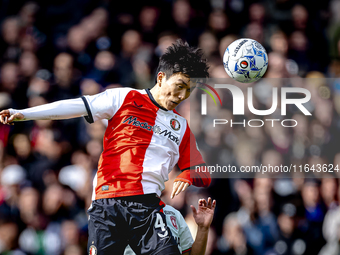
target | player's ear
x=160, y=77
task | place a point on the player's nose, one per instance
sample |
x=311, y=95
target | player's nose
x=181, y=95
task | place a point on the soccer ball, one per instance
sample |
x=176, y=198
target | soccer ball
x=245, y=60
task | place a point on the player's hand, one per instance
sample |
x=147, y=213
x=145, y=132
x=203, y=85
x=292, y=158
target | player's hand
x=205, y=213
x=7, y=118
x=178, y=187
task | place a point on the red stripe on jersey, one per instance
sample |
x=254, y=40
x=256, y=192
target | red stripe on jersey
x=190, y=157
x=186, y=250
x=126, y=140
x=163, y=204
x=198, y=177
x=189, y=154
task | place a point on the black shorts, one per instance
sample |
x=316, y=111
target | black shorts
x=137, y=220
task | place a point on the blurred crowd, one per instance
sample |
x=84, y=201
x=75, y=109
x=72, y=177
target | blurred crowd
x=53, y=50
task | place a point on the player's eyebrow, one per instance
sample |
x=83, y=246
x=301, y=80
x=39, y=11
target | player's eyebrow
x=182, y=81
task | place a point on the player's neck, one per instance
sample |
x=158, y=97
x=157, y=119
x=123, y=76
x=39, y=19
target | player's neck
x=156, y=94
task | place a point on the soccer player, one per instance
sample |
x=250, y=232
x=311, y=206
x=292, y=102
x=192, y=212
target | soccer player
x=144, y=140
x=203, y=217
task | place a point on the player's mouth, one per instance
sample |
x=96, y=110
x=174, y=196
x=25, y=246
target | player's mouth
x=173, y=104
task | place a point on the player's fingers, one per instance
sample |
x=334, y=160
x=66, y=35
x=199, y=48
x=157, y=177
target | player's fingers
x=180, y=187
x=11, y=118
x=17, y=116
x=213, y=205
x=209, y=202
x=175, y=185
x=204, y=203
x=185, y=186
x=4, y=112
x=3, y=118
x=194, y=211
x=174, y=189
x=10, y=121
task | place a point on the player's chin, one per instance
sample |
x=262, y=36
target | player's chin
x=172, y=105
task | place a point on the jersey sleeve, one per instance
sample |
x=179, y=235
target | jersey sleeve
x=189, y=155
x=59, y=110
x=184, y=234
x=104, y=105
x=191, y=162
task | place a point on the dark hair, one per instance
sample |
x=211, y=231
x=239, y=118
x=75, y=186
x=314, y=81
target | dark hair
x=180, y=57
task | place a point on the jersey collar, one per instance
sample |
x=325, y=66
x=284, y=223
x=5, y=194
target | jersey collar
x=153, y=100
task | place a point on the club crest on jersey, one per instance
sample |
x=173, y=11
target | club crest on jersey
x=93, y=250
x=173, y=221
x=175, y=124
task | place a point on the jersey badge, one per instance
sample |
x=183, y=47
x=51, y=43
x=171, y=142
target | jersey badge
x=173, y=221
x=175, y=124
x=106, y=187
x=93, y=250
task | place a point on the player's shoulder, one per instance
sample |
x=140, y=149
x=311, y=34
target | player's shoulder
x=119, y=95
x=171, y=211
x=175, y=218
x=177, y=114
x=125, y=90
x=180, y=118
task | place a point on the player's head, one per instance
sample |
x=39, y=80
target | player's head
x=181, y=58
x=177, y=66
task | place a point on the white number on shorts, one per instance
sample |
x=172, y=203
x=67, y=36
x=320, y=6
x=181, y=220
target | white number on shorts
x=160, y=224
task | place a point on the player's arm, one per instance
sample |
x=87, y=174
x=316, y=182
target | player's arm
x=194, y=170
x=197, y=176
x=203, y=217
x=95, y=107
x=64, y=109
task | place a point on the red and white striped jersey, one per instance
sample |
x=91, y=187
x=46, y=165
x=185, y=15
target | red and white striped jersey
x=143, y=142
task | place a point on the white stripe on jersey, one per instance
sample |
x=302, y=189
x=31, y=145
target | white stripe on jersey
x=155, y=172
x=106, y=104
x=94, y=183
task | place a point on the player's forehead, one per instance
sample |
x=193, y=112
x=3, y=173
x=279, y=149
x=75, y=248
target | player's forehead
x=181, y=78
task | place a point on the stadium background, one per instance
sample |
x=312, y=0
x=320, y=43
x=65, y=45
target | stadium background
x=53, y=50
